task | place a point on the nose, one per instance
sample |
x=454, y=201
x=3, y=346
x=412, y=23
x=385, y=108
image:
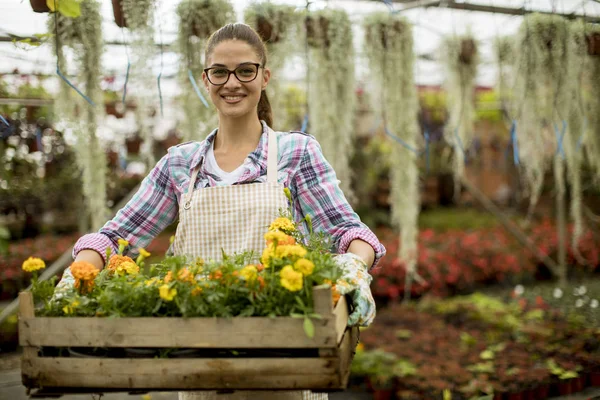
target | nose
x=232, y=82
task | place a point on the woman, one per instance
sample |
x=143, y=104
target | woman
x=229, y=187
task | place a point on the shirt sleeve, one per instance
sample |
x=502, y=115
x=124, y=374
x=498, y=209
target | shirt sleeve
x=150, y=210
x=318, y=194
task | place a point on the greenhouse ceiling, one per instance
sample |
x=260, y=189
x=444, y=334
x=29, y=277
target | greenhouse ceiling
x=432, y=20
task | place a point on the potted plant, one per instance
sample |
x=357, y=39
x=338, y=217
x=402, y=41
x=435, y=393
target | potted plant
x=273, y=22
x=39, y=6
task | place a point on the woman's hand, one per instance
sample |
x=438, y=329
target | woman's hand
x=355, y=282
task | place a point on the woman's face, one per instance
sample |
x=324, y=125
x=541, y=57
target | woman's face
x=235, y=99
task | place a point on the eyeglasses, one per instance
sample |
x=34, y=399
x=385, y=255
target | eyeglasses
x=245, y=73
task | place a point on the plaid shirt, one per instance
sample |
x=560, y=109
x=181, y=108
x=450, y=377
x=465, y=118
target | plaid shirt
x=302, y=168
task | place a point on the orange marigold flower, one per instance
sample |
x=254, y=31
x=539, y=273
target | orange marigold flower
x=84, y=286
x=335, y=295
x=84, y=270
x=216, y=275
x=184, y=275
x=260, y=267
x=196, y=291
x=117, y=260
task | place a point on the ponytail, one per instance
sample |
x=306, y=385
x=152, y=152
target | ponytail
x=264, y=109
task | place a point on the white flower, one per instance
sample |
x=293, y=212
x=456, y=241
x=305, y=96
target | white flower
x=558, y=293
x=582, y=290
x=579, y=303
x=519, y=290
x=594, y=303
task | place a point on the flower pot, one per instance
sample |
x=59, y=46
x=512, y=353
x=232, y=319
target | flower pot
x=564, y=387
x=595, y=379
x=266, y=30
x=118, y=13
x=316, y=31
x=185, y=353
x=88, y=352
x=140, y=353
x=468, y=49
x=542, y=392
x=529, y=394
x=593, y=44
x=39, y=6
x=515, y=396
x=382, y=394
x=578, y=384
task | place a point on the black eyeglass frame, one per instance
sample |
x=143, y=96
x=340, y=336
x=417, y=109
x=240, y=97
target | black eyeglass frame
x=229, y=72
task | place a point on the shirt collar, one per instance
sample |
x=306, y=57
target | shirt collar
x=258, y=156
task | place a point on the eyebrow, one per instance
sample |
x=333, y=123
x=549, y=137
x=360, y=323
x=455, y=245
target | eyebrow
x=225, y=66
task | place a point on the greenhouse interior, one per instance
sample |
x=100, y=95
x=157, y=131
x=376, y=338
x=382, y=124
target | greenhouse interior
x=436, y=175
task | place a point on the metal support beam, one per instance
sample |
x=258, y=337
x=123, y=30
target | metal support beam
x=504, y=10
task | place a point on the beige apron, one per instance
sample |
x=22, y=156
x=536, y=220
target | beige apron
x=230, y=219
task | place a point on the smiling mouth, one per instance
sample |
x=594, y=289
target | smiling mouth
x=233, y=99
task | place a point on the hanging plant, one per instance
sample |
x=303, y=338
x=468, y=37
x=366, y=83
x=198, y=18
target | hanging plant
x=276, y=24
x=541, y=95
x=197, y=20
x=461, y=60
x=583, y=121
x=331, y=96
x=138, y=16
x=67, y=8
x=83, y=37
x=389, y=47
x=504, y=51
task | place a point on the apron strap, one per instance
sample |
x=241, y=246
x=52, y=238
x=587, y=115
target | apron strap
x=272, y=157
x=188, y=195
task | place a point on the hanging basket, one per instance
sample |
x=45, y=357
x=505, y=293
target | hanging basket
x=382, y=30
x=39, y=6
x=266, y=30
x=317, y=31
x=468, y=49
x=593, y=43
x=118, y=13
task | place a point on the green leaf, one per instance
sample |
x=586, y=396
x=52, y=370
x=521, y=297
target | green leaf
x=403, y=334
x=68, y=8
x=309, y=328
x=568, y=375
x=315, y=316
x=296, y=315
x=487, y=355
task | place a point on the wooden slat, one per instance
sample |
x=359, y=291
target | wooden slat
x=322, y=300
x=347, y=349
x=26, y=312
x=341, y=318
x=127, y=374
x=249, y=332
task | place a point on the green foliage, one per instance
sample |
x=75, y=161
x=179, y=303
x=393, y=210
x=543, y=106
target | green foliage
x=381, y=367
x=443, y=219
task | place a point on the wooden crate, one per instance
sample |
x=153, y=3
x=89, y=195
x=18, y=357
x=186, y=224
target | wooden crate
x=319, y=364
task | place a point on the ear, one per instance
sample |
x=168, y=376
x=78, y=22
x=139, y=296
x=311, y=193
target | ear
x=205, y=80
x=266, y=78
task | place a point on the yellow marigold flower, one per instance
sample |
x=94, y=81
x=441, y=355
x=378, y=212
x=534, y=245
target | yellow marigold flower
x=123, y=242
x=249, y=272
x=279, y=238
x=290, y=251
x=153, y=281
x=128, y=268
x=304, y=266
x=144, y=253
x=267, y=254
x=171, y=239
x=283, y=224
x=196, y=291
x=70, y=309
x=84, y=270
x=33, y=264
x=360, y=347
x=166, y=293
x=290, y=279
x=117, y=260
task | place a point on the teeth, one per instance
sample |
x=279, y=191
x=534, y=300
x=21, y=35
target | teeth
x=232, y=97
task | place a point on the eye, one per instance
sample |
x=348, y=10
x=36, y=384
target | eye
x=246, y=72
x=218, y=72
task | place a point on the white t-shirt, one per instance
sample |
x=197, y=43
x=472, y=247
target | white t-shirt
x=227, y=178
